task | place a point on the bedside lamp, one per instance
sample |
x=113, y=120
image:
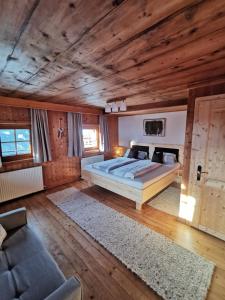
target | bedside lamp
x=132, y=142
x=118, y=151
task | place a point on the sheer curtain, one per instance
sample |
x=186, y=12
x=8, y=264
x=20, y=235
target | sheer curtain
x=104, y=133
x=75, y=138
x=40, y=136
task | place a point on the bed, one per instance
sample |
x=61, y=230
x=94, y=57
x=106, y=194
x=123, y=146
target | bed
x=139, y=189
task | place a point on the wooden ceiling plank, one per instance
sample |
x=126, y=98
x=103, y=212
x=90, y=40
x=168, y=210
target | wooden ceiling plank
x=214, y=55
x=157, y=105
x=175, y=80
x=177, y=66
x=177, y=30
x=49, y=34
x=12, y=27
x=141, y=14
x=176, y=45
x=162, y=38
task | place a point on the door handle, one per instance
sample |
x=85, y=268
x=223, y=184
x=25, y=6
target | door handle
x=200, y=172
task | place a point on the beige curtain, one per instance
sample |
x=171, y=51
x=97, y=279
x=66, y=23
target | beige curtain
x=40, y=136
x=75, y=137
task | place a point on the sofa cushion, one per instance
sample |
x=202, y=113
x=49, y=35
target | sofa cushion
x=7, y=286
x=21, y=245
x=3, y=262
x=36, y=277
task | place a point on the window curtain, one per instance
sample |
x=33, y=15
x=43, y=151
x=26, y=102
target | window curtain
x=0, y=154
x=104, y=133
x=75, y=138
x=40, y=136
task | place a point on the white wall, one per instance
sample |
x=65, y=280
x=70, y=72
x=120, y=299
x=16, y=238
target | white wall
x=131, y=128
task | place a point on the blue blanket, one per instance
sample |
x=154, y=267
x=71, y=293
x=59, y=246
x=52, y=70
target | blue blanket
x=138, y=168
x=108, y=165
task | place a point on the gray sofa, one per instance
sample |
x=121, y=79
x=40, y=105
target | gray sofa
x=27, y=270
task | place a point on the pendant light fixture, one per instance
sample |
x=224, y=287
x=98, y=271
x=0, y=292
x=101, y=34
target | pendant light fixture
x=116, y=105
x=123, y=106
x=108, y=108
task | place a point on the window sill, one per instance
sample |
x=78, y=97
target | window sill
x=92, y=153
x=8, y=167
x=17, y=161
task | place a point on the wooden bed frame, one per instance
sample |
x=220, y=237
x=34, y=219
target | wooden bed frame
x=132, y=193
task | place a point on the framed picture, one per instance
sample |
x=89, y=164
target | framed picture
x=155, y=127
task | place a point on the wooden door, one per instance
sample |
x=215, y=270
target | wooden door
x=207, y=171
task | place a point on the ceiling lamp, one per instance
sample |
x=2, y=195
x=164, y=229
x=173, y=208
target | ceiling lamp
x=123, y=106
x=115, y=107
x=108, y=108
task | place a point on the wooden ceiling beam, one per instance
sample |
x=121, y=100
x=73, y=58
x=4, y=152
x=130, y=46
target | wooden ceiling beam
x=164, y=106
x=17, y=102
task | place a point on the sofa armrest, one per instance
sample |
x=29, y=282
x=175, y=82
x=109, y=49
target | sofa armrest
x=13, y=218
x=69, y=290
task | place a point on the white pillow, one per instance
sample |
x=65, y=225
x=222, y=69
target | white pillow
x=169, y=158
x=126, y=153
x=3, y=235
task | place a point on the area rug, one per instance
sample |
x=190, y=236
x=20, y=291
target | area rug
x=170, y=270
x=167, y=201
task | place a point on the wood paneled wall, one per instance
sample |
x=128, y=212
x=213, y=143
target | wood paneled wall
x=193, y=94
x=113, y=134
x=62, y=169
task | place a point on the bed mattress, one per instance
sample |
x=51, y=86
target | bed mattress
x=141, y=182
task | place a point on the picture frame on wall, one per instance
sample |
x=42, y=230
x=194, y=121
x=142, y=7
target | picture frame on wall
x=154, y=127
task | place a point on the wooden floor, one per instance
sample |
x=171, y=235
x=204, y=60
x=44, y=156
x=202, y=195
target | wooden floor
x=103, y=276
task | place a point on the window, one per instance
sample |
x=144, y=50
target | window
x=91, y=137
x=15, y=144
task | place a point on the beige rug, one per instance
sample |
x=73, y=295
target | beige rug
x=167, y=201
x=172, y=271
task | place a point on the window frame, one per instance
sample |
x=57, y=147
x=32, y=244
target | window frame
x=18, y=156
x=95, y=127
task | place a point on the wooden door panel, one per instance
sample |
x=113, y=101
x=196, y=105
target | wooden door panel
x=208, y=151
x=213, y=209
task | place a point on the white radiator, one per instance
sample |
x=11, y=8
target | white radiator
x=19, y=183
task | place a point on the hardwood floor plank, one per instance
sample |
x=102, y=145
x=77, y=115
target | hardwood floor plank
x=102, y=275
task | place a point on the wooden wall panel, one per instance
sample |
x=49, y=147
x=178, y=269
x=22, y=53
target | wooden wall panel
x=12, y=115
x=113, y=133
x=90, y=119
x=62, y=169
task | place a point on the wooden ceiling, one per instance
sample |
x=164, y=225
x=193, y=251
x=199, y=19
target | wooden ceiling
x=90, y=51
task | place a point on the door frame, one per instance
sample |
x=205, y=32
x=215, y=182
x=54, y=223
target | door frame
x=197, y=214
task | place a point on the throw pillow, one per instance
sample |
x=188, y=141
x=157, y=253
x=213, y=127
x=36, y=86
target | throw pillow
x=142, y=155
x=3, y=235
x=132, y=154
x=157, y=157
x=169, y=158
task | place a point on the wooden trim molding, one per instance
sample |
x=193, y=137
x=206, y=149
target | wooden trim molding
x=24, y=103
x=163, y=106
